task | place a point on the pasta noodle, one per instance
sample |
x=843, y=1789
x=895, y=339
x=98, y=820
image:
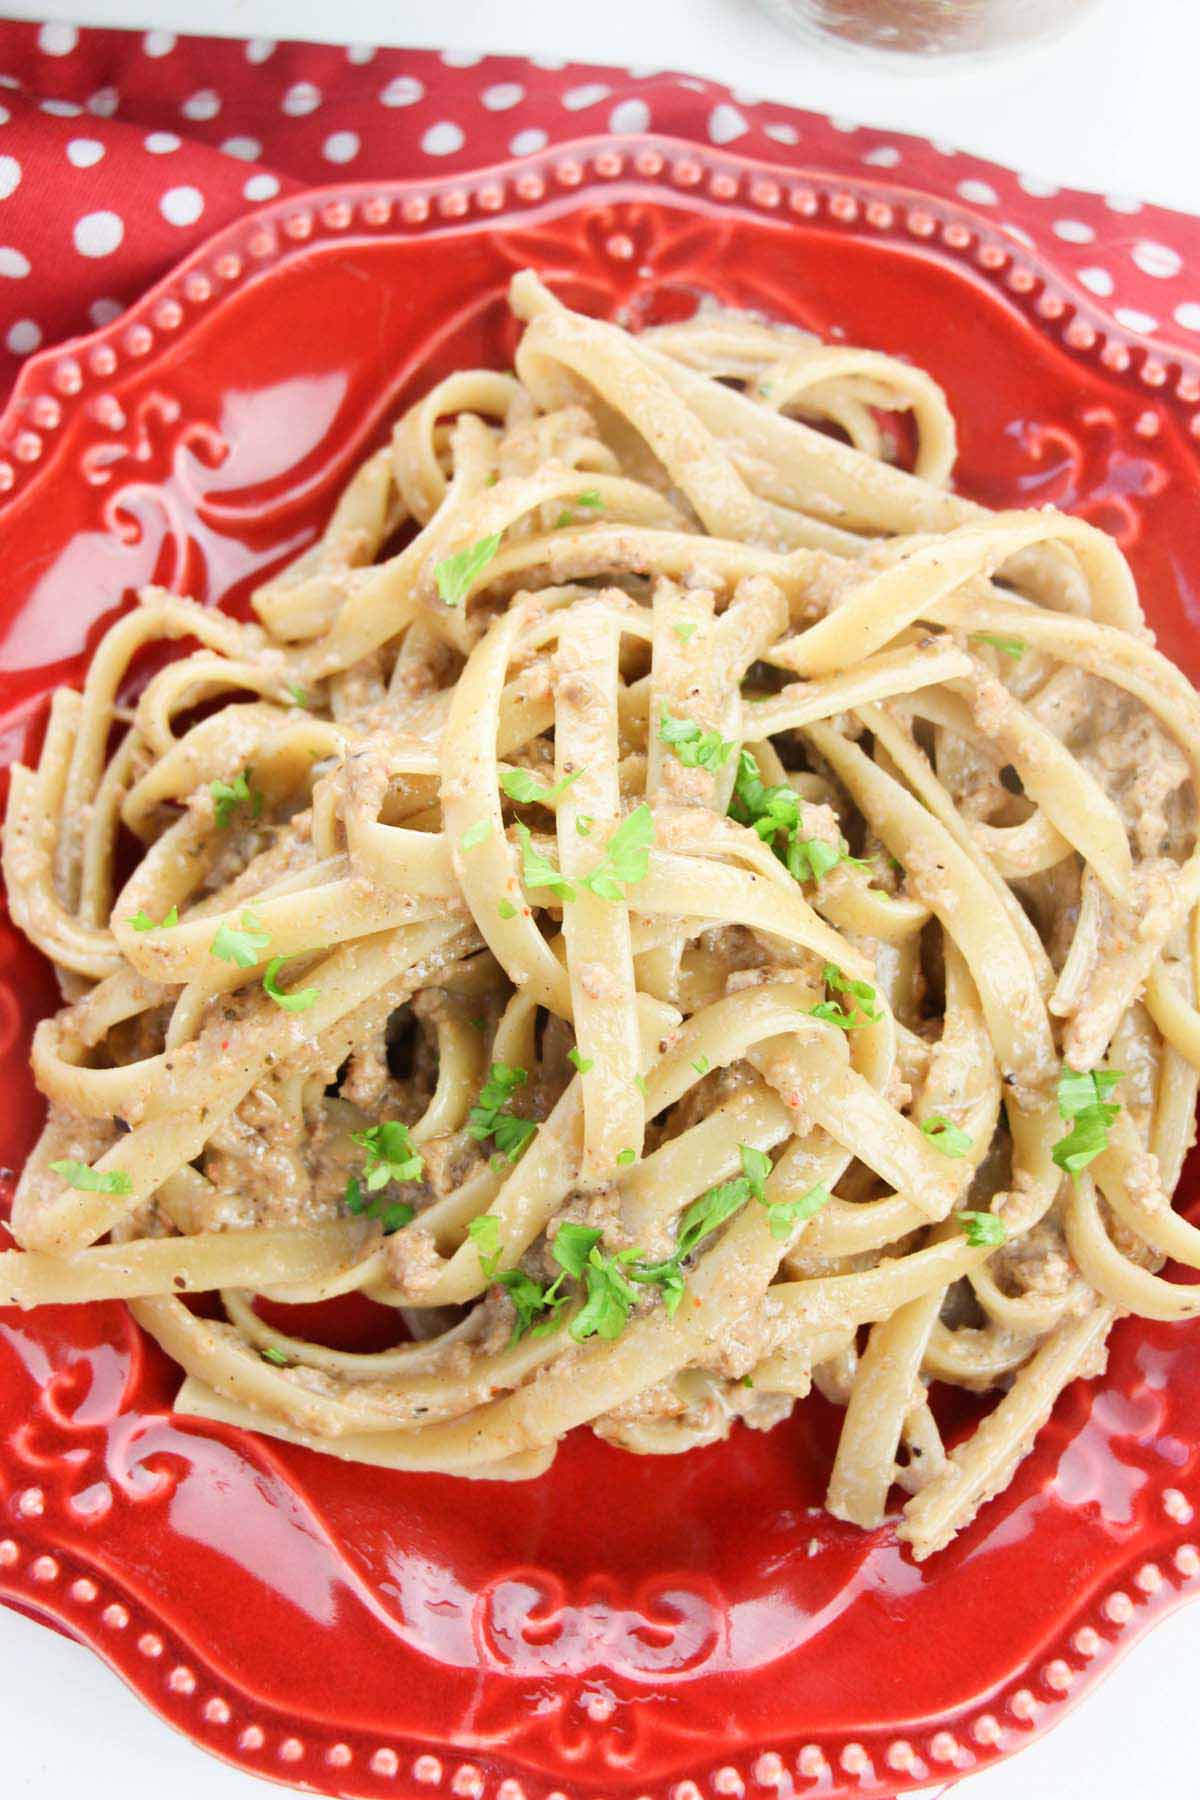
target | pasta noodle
x=668, y=901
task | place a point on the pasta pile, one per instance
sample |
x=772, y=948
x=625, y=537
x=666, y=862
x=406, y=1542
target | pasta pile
x=678, y=906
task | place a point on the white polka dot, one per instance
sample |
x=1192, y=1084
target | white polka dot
x=745, y=97
x=502, y=95
x=1135, y=320
x=1033, y=184
x=980, y=193
x=60, y=109
x=301, y=98
x=629, y=115
x=5, y=115
x=82, y=153
x=592, y=92
x=341, y=146
x=261, y=187
x=24, y=335
x=158, y=43
x=98, y=233
x=782, y=134
x=1188, y=315
x=1122, y=203
x=57, y=40
x=258, y=49
x=884, y=156
x=725, y=123
x=443, y=139
x=203, y=104
x=943, y=148
x=840, y=123
x=103, y=312
x=246, y=149
x=360, y=53
x=548, y=62
x=1097, y=281
x=161, y=143
x=1158, y=260
x=527, y=143
x=461, y=59
x=402, y=90
x=12, y=263
x=1073, y=231
x=10, y=175
x=181, y=205
x=103, y=103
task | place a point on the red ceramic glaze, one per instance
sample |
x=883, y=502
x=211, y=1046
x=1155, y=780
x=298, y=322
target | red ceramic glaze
x=623, y=1626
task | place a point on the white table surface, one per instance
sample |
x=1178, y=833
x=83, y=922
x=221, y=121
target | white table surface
x=1102, y=108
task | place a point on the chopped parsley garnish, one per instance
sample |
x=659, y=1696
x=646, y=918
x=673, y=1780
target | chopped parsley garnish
x=695, y=749
x=582, y=1063
x=506, y=909
x=270, y=1354
x=945, y=1136
x=626, y=856
x=685, y=630
x=229, y=795
x=478, y=833
x=774, y=813
x=537, y=871
x=609, y=1293
x=701, y=1065
x=532, y=1300
x=704, y=1216
x=866, y=1011
x=626, y=1156
x=298, y=1001
x=639, y=1082
x=523, y=786
x=456, y=575
x=391, y=1154
x=242, y=947
x=1007, y=646
x=583, y=824
x=93, y=1181
x=783, y=1215
x=982, y=1228
x=141, y=920
x=393, y=1215
x=590, y=498
x=1083, y=1098
x=299, y=695
x=491, y=1117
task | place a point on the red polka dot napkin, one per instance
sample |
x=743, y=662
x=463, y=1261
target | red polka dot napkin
x=121, y=151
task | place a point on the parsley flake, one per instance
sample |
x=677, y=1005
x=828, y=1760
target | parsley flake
x=774, y=813
x=626, y=1156
x=537, y=871
x=582, y=1063
x=92, y=1181
x=270, y=1354
x=298, y=1001
x=1083, y=1098
x=695, y=749
x=981, y=1228
x=626, y=856
x=242, y=947
x=1007, y=646
x=475, y=834
x=784, y=1215
x=391, y=1154
x=685, y=630
x=506, y=909
x=491, y=1117
x=945, y=1136
x=866, y=1010
x=701, y=1065
x=229, y=795
x=141, y=920
x=456, y=575
x=524, y=787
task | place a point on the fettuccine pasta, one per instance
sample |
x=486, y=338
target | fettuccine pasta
x=675, y=904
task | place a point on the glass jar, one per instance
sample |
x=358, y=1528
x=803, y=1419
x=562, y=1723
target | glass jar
x=929, y=28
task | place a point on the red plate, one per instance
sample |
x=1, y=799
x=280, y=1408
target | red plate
x=624, y=1625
